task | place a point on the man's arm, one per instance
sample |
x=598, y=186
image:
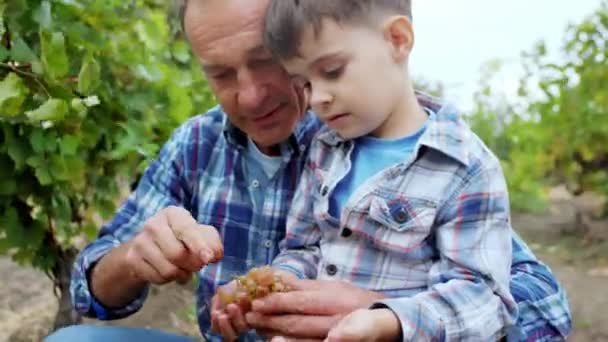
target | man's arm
x=139, y=246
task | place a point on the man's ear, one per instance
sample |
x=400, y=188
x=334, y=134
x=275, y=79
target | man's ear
x=399, y=33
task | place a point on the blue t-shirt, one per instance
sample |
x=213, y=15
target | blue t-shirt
x=369, y=156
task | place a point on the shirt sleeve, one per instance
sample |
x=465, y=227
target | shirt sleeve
x=468, y=295
x=159, y=187
x=299, y=251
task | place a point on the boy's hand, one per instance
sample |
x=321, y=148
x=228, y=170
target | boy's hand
x=366, y=325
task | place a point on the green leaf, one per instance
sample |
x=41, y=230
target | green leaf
x=42, y=15
x=54, y=55
x=16, y=149
x=12, y=95
x=21, y=52
x=62, y=211
x=44, y=175
x=8, y=186
x=4, y=53
x=37, y=141
x=52, y=110
x=181, y=51
x=58, y=169
x=68, y=145
x=180, y=104
x=2, y=28
x=11, y=225
x=88, y=78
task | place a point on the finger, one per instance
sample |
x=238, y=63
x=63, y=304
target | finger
x=215, y=327
x=155, y=258
x=294, y=339
x=183, y=227
x=187, y=277
x=237, y=318
x=148, y=273
x=174, y=250
x=225, y=327
x=202, y=240
x=297, y=302
x=293, y=325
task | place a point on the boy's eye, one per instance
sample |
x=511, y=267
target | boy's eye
x=333, y=72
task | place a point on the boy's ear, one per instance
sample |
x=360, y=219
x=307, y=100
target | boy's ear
x=399, y=33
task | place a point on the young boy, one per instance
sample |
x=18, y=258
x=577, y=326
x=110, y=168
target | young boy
x=398, y=195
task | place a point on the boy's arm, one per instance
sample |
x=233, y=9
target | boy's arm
x=300, y=251
x=468, y=294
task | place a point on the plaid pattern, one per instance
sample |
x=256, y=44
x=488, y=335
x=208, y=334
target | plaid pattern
x=201, y=169
x=433, y=233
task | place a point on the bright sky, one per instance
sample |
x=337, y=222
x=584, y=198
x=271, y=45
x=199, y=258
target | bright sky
x=455, y=37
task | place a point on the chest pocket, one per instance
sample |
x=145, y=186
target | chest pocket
x=399, y=224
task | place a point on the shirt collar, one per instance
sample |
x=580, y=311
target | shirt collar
x=446, y=132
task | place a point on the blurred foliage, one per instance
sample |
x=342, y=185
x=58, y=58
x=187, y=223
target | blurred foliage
x=556, y=130
x=89, y=90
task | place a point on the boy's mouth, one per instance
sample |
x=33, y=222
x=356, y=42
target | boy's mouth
x=336, y=117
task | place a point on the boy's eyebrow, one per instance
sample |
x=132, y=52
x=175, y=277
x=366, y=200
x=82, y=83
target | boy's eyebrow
x=325, y=57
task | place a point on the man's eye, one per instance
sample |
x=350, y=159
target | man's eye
x=263, y=61
x=301, y=82
x=222, y=75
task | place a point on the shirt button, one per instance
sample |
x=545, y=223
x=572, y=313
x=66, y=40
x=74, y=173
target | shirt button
x=268, y=243
x=346, y=232
x=324, y=190
x=255, y=183
x=331, y=269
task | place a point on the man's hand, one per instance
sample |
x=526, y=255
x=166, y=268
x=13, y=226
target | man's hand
x=171, y=246
x=308, y=311
x=229, y=320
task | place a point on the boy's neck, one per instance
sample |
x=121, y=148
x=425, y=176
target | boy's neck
x=407, y=117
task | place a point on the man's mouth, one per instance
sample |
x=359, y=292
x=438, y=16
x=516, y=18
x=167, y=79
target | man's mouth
x=268, y=116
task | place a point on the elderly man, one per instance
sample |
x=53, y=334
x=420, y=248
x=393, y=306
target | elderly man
x=216, y=199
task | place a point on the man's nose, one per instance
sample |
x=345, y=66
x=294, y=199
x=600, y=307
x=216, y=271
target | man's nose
x=252, y=91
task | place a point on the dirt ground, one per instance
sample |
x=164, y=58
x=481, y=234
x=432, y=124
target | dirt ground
x=27, y=303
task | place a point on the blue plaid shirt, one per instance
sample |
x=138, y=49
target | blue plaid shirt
x=202, y=169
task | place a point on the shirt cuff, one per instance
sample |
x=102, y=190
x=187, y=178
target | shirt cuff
x=82, y=298
x=417, y=323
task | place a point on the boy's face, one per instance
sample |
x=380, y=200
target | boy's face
x=355, y=81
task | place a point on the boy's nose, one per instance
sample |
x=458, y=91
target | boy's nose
x=319, y=98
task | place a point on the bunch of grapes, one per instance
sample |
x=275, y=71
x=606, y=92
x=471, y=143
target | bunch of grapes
x=257, y=283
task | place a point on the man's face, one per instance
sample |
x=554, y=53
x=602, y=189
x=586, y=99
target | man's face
x=253, y=89
x=353, y=82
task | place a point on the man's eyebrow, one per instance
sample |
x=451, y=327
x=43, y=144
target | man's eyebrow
x=209, y=67
x=258, y=50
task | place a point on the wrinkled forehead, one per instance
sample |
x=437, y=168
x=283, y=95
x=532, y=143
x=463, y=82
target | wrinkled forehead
x=224, y=29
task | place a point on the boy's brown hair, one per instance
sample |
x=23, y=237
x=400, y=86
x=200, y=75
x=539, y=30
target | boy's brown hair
x=286, y=20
